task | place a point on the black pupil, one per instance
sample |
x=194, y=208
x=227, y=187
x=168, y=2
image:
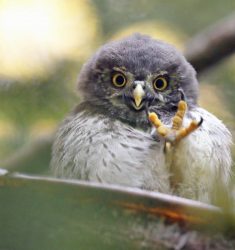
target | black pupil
x=119, y=80
x=159, y=83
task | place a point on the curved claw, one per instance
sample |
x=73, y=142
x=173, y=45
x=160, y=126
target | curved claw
x=183, y=132
x=182, y=94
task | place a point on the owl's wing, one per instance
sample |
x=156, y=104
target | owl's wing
x=202, y=161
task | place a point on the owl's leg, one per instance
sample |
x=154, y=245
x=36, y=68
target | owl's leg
x=176, y=132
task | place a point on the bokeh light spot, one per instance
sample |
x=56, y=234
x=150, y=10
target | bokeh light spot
x=35, y=34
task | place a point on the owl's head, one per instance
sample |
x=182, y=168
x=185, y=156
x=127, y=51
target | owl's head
x=125, y=77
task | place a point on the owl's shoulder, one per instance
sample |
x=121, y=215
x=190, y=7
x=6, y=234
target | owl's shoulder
x=211, y=124
x=212, y=139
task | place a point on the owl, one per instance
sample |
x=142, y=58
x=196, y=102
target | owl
x=108, y=137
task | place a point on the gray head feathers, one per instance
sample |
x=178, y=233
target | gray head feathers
x=140, y=57
x=141, y=54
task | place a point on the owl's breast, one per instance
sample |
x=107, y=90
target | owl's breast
x=100, y=149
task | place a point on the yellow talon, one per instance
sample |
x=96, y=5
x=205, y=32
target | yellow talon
x=177, y=122
x=176, y=132
x=178, y=118
x=154, y=119
x=182, y=105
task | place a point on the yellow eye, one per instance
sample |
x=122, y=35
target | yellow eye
x=160, y=83
x=119, y=80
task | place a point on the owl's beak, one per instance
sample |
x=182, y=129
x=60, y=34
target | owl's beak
x=138, y=94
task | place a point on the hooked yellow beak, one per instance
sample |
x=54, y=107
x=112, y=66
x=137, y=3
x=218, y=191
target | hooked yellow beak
x=138, y=94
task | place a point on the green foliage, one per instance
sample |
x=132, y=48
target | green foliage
x=23, y=103
x=49, y=97
x=190, y=16
x=223, y=77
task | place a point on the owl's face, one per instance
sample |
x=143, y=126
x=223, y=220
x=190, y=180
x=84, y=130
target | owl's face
x=125, y=78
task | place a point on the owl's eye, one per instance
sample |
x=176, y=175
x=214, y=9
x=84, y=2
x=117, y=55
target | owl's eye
x=119, y=80
x=160, y=83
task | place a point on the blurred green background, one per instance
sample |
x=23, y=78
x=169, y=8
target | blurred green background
x=44, y=43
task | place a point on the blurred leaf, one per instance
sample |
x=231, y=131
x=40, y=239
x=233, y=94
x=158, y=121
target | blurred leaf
x=46, y=213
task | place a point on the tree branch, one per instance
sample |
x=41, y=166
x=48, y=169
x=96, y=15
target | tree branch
x=212, y=45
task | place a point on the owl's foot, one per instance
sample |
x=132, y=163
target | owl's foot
x=176, y=132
